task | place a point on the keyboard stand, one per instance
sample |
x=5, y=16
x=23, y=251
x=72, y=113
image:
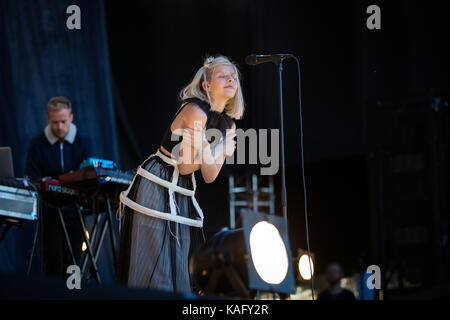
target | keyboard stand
x=5, y=231
x=66, y=236
x=88, y=245
x=101, y=226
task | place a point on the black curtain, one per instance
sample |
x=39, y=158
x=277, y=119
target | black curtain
x=41, y=58
x=157, y=46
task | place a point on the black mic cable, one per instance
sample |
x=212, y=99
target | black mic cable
x=253, y=60
x=303, y=173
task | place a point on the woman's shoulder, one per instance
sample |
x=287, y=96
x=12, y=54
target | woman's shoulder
x=192, y=111
x=203, y=105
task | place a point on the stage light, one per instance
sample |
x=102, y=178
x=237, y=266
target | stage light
x=241, y=261
x=305, y=265
x=84, y=246
x=268, y=252
x=305, y=268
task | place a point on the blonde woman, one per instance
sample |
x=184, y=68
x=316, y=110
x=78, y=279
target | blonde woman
x=159, y=210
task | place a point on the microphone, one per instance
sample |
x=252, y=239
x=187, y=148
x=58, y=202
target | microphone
x=255, y=59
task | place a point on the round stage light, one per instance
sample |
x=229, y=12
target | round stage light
x=304, y=267
x=268, y=252
x=241, y=262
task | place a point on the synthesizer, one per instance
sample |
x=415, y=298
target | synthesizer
x=19, y=197
x=18, y=200
x=93, y=176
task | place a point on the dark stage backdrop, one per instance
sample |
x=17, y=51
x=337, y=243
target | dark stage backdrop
x=41, y=58
x=157, y=46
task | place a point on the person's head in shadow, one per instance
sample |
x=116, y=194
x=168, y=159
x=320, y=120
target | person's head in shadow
x=333, y=274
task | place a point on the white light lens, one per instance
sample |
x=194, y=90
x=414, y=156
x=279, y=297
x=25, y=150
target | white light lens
x=268, y=252
x=303, y=267
x=84, y=246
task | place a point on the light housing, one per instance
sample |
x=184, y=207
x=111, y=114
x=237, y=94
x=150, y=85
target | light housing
x=238, y=262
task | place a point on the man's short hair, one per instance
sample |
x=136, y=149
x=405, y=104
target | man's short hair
x=58, y=103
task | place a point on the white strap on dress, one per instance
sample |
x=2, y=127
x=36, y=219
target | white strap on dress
x=172, y=188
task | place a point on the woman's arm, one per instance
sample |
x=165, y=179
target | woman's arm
x=211, y=171
x=193, y=119
x=200, y=156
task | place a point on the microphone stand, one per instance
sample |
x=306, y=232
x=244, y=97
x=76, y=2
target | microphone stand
x=279, y=64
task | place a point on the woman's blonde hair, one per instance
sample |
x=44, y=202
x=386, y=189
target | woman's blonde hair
x=235, y=106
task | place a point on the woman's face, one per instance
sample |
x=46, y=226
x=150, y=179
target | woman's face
x=223, y=83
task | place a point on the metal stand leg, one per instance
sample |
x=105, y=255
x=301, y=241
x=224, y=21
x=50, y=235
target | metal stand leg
x=106, y=226
x=102, y=237
x=232, y=202
x=112, y=236
x=88, y=245
x=66, y=236
x=84, y=258
x=5, y=231
x=233, y=278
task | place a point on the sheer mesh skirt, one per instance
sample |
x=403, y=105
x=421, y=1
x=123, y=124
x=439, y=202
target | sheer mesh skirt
x=154, y=253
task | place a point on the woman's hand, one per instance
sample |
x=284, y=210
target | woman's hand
x=196, y=140
x=195, y=152
x=229, y=143
x=225, y=148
